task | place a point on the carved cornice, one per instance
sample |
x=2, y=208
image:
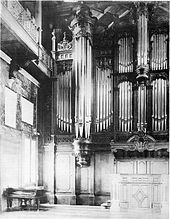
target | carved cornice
x=64, y=138
x=82, y=24
x=156, y=75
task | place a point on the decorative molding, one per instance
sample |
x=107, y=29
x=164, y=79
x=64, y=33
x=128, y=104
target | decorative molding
x=138, y=142
x=141, y=9
x=64, y=45
x=82, y=24
x=82, y=151
x=64, y=49
x=64, y=138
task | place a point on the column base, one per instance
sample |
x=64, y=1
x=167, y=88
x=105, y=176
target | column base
x=65, y=199
x=85, y=199
x=50, y=197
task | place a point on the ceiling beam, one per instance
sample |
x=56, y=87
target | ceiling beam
x=164, y=9
x=124, y=13
x=105, y=11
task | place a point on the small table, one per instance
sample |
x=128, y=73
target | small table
x=25, y=197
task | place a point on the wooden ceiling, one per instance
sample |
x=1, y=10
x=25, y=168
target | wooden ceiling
x=60, y=13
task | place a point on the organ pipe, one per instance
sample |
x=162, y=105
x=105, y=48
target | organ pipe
x=125, y=106
x=125, y=54
x=64, y=120
x=82, y=40
x=159, y=114
x=142, y=63
x=159, y=51
x=141, y=106
x=103, y=100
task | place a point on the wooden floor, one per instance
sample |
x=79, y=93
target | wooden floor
x=78, y=212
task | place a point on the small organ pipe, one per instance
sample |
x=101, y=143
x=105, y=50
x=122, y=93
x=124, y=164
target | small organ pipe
x=162, y=104
x=164, y=51
x=165, y=105
x=120, y=106
x=156, y=105
x=159, y=104
x=142, y=106
x=98, y=99
x=131, y=117
x=161, y=52
x=153, y=105
x=166, y=57
x=128, y=107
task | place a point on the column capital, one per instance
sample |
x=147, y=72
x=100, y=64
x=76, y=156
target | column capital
x=83, y=22
x=141, y=9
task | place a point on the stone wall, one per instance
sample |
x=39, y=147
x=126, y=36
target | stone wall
x=15, y=142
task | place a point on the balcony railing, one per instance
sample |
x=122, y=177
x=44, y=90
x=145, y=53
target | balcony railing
x=27, y=21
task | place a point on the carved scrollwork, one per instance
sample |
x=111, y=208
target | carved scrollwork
x=104, y=62
x=64, y=44
x=141, y=141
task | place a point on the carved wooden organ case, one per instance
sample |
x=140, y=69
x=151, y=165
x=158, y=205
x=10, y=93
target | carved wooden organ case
x=118, y=85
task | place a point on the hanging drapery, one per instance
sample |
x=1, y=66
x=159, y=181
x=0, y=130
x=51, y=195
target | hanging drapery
x=159, y=105
x=125, y=106
x=125, y=54
x=159, y=51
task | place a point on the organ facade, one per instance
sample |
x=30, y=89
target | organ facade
x=101, y=123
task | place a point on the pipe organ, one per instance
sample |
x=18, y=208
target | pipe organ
x=159, y=51
x=142, y=64
x=63, y=85
x=82, y=67
x=142, y=48
x=125, y=54
x=159, y=105
x=64, y=120
x=125, y=106
x=84, y=91
x=141, y=106
x=111, y=92
x=103, y=94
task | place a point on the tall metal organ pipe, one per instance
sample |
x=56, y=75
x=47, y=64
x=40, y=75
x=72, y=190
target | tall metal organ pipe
x=103, y=100
x=82, y=69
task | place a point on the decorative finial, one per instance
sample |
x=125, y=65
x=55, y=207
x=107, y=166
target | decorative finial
x=64, y=38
